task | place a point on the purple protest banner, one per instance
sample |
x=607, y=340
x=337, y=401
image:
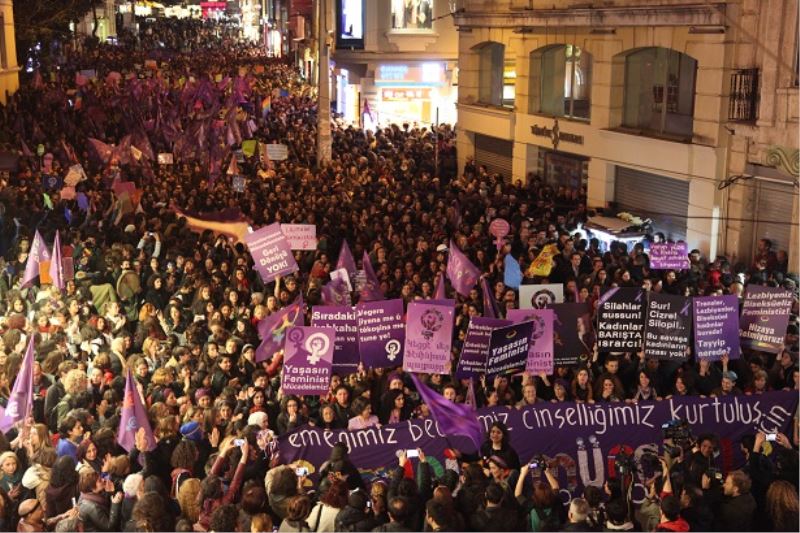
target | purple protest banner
x=133, y=416
x=371, y=290
x=381, y=333
x=716, y=327
x=346, y=261
x=20, y=401
x=38, y=253
x=669, y=256
x=429, y=336
x=272, y=329
x=472, y=360
x=508, y=349
x=668, y=327
x=271, y=252
x=540, y=346
x=308, y=363
x=56, y=268
x=765, y=317
x=573, y=339
x=620, y=319
x=576, y=439
x=462, y=273
x=343, y=320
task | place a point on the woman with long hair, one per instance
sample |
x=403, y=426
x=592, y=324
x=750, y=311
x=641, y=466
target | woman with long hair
x=782, y=506
x=498, y=443
x=334, y=499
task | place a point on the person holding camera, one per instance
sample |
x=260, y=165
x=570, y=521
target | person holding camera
x=737, y=509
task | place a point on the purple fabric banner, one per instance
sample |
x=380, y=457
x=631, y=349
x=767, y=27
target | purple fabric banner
x=371, y=290
x=668, y=327
x=308, y=364
x=429, y=337
x=573, y=339
x=490, y=309
x=462, y=273
x=620, y=319
x=540, y=347
x=272, y=329
x=38, y=252
x=472, y=360
x=577, y=439
x=452, y=418
x=439, y=292
x=134, y=416
x=765, y=317
x=716, y=327
x=381, y=333
x=508, y=349
x=56, y=268
x=346, y=261
x=343, y=320
x=271, y=252
x=669, y=256
x=20, y=402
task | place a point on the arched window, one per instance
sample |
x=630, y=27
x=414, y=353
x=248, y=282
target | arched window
x=491, y=73
x=659, y=91
x=563, y=75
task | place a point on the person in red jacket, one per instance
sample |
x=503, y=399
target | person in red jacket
x=671, y=519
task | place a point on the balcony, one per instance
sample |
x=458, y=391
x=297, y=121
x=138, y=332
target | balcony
x=743, y=106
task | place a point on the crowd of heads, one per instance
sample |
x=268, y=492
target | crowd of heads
x=189, y=333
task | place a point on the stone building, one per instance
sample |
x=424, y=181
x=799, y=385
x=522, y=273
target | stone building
x=9, y=71
x=653, y=106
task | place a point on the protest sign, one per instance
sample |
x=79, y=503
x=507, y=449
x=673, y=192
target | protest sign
x=668, y=327
x=499, y=228
x=277, y=152
x=540, y=345
x=576, y=439
x=716, y=327
x=343, y=320
x=342, y=274
x=300, y=236
x=249, y=147
x=429, y=334
x=308, y=361
x=508, y=349
x=75, y=175
x=472, y=360
x=620, y=319
x=540, y=296
x=669, y=256
x=765, y=316
x=271, y=252
x=381, y=333
x=68, y=193
x=238, y=183
x=573, y=340
x=165, y=159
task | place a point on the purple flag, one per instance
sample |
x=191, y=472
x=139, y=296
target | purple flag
x=308, y=364
x=133, y=417
x=272, y=329
x=335, y=293
x=56, y=268
x=438, y=293
x=490, y=309
x=371, y=290
x=346, y=261
x=470, y=400
x=20, y=403
x=38, y=252
x=452, y=418
x=462, y=273
x=429, y=334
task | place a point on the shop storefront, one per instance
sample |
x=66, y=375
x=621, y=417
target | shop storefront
x=662, y=199
x=562, y=169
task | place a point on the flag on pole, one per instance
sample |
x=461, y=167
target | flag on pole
x=462, y=273
x=20, y=403
x=346, y=261
x=56, y=269
x=272, y=329
x=438, y=293
x=37, y=253
x=371, y=290
x=335, y=293
x=490, y=309
x=543, y=264
x=452, y=418
x=133, y=417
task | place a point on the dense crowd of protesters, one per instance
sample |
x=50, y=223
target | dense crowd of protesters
x=189, y=334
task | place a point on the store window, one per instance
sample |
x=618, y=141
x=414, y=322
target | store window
x=491, y=73
x=412, y=14
x=659, y=92
x=565, y=73
x=509, y=82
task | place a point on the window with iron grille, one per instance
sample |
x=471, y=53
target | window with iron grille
x=743, y=105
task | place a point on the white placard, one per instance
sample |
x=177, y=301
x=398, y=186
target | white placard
x=539, y=296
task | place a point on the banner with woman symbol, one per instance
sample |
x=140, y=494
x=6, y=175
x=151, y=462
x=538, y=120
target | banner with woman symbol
x=429, y=336
x=308, y=364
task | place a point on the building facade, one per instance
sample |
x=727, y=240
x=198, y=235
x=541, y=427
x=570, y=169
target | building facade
x=642, y=103
x=106, y=21
x=394, y=61
x=9, y=71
